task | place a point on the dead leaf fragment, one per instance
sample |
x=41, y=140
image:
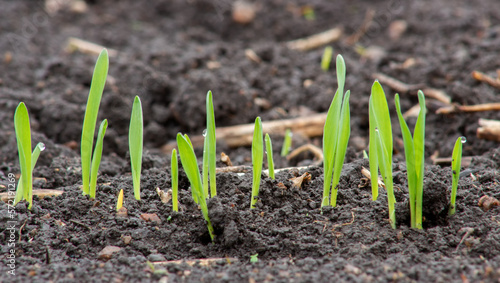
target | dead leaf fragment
x=397, y=28
x=487, y=202
x=164, y=197
x=106, y=253
x=298, y=181
x=151, y=217
x=224, y=158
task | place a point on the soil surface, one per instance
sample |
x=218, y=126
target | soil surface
x=171, y=53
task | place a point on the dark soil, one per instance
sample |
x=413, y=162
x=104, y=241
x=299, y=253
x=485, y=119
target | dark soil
x=166, y=54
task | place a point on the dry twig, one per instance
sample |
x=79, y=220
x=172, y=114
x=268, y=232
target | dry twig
x=202, y=261
x=468, y=108
x=401, y=87
x=39, y=193
x=87, y=47
x=316, y=40
x=234, y=169
x=466, y=160
x=241, y=135
x=368, y=175
x=487, y=79
x=316, y=151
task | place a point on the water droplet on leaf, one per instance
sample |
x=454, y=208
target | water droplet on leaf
x=463, y=139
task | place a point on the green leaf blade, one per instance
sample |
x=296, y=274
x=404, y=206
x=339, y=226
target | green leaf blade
x=96, y=158
x=343, y=140
x=23, y=137
x=174, y=170
x=270, y=161
x=135, y=139
x=419, y=144
x=326, y=59
x=257, y=159
x=190, y=165
x=287, y=143
x=456, y=164
x=91, y=111
x=212, y=144
x=410, y=160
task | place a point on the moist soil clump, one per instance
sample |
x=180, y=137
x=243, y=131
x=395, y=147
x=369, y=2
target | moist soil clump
x=171, y=54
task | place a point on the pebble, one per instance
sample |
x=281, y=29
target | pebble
x=107, y=252
x=156, y=257
x=151, y=217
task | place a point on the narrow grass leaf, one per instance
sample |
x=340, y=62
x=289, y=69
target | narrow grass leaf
x=410, y=160
x=331, y=130
x=419, y=144
x=119, y=202
x=174, y=170
x=386, y=172
x=89, y=122
x=205, y=166
x=135, y=141
x=381, y=120
x=326, y=59
x=212, y=156
x=23, y=137
x=456, y=163
x=257, y=159
x=96, y=158
x=343, y=139
x=270, y=161
x=190, y=165
x=287, y=143
x=34, y=158
x=193, y=192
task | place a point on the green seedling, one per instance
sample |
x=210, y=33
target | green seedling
x=190, y=165
x=269, y=150
x=193, y=192
x=96, y=158
x=308, y=13
x=209, y=150
x=381, y=147
x=414, y=155
x=335, y=137
x=257, y=159
x=254, y=258
x=287, y=143
x=89, y=122
x=204, y=167
x=27, y=159
x=456, y=162
x=135, y=139
x=119, y=202
x=34, y=158
x=212, y=160
x=175, y=180
x=326, y=59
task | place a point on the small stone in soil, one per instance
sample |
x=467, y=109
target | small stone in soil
x=156, y=257
x=107, y=252
x=151, y=217
x=122, y=212
x=126, y=239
